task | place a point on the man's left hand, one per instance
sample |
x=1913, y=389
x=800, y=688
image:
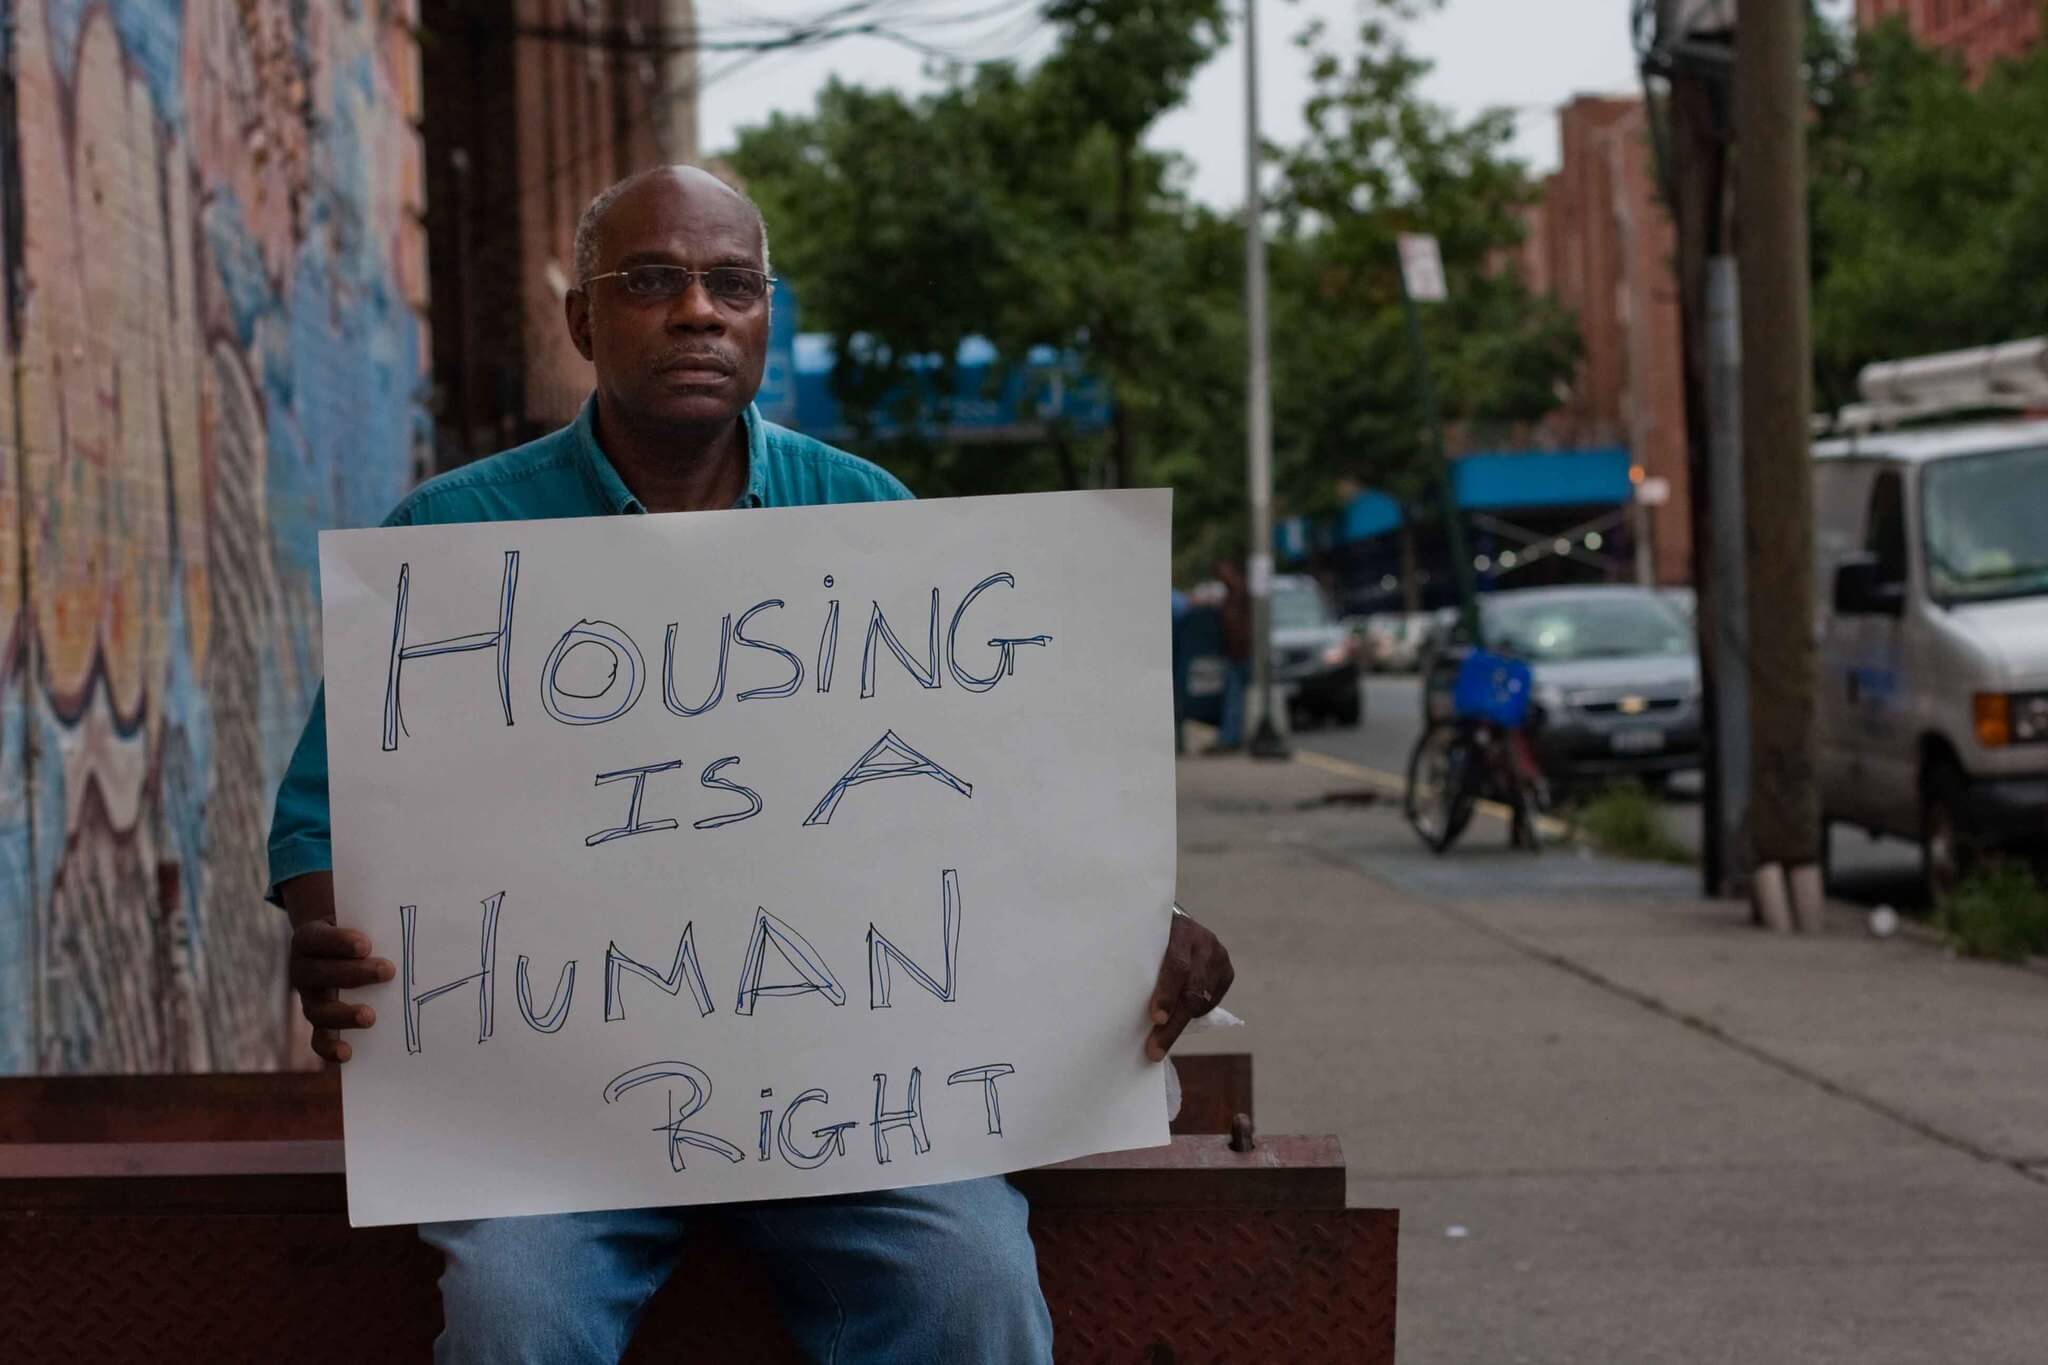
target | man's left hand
x=1194, y=976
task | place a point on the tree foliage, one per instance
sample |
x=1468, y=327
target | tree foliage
x=1929, y=202
x=1380, y=160
x=1023, y=206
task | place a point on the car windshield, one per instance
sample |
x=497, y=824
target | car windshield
x=1596, y=626
x=1295, y=607
x=1986, y=536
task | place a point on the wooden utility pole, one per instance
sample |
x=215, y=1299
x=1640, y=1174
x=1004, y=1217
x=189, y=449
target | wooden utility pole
x=1777, y=465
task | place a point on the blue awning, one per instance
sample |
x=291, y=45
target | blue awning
x=1506, y=481
x=1367, y=515
x=1502, y=480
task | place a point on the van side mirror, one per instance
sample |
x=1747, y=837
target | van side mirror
x=1860, y=591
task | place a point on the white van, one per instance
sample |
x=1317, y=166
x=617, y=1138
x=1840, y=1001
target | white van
x=1933, y=625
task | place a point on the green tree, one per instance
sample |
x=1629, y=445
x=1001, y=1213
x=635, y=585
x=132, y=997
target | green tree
x=1022, y=205
x=1929, y=203
x=1119, y=66
x=883, y=216
x=1379, y=160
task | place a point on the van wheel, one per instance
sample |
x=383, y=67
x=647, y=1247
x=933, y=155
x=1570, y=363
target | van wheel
x=1945, y=851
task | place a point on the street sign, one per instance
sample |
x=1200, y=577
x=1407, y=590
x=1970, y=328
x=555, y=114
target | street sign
x=1422, y=268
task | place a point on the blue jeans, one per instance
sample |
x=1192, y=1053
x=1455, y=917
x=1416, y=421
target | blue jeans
x=940, y=1273
x=1237, y=681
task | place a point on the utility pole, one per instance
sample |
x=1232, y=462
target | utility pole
x=1265, y=736
x=1639, y=530
x=676, y=116
x=1727, y=814
x=1777, y=462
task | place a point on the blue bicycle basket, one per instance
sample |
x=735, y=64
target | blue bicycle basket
x=1492, y=687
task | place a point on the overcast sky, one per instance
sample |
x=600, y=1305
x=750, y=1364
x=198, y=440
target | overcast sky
x=1530, y=55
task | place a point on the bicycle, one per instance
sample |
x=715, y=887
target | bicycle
x=1481, y=753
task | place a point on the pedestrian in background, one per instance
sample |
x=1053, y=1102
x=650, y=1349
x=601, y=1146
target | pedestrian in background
x=1237, y=649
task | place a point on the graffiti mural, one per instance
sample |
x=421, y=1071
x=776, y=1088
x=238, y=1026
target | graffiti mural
x=213, y=349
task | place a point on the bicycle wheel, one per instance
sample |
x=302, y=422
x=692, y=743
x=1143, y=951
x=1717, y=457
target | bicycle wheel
x=1440, y=796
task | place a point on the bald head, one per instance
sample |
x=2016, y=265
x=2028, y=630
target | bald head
x=693, y=180
x=670, y=358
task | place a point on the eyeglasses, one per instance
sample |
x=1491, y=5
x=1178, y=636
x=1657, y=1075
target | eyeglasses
x=729, y=284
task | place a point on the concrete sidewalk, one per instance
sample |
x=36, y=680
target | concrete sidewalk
x=1621, y=1125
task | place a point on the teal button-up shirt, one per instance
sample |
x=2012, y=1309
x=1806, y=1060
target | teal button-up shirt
x=563, y=474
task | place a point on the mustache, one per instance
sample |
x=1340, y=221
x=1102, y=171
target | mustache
x=698, y=360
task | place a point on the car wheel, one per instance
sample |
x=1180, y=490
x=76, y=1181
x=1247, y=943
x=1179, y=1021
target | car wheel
x=1946, y=854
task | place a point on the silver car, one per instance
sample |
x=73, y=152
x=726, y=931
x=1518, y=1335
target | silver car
x=1616, y=679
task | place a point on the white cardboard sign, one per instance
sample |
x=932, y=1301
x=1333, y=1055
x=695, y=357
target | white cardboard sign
x=751, y=854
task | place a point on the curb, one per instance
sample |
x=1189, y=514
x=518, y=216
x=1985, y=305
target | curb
x=1857, y=917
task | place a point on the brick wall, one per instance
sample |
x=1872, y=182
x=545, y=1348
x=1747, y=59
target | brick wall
x=532, y=107
x=1980, y=31
x=1652, y=399
x=1600, y=241
x=214, y=346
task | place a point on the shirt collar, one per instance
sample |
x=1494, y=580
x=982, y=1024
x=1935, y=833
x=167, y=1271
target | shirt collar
x=611, y=489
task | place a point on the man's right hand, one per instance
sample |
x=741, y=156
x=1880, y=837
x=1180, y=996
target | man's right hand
x=326, y=959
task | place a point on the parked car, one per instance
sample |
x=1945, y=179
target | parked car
x=1368, y=632
x=1615, y=685
x=1392, y=642
x=1315, y=657
x=1933, y=625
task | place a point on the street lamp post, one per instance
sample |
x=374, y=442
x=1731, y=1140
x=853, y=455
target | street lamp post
x=1266, y=741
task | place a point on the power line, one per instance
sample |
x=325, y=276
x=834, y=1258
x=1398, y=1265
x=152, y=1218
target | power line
x=894, y=21
x=838, y=22
x=527, y=189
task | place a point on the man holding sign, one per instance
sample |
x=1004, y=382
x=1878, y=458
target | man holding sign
x=671, y=307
